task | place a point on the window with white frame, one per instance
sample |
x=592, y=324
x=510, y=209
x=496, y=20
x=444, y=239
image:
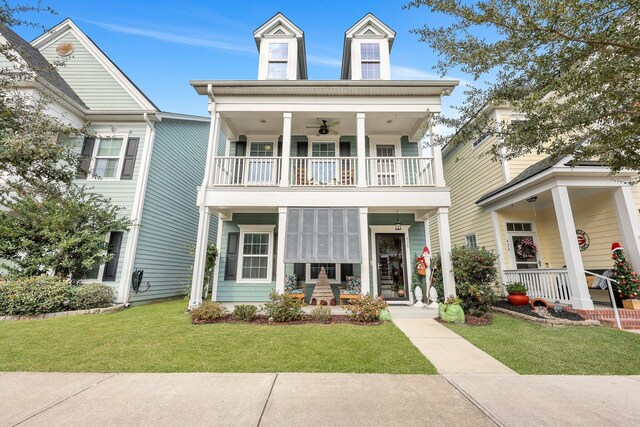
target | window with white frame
x=278, y=61
x=370, y=61
x=256, y=254
x=471, y=241
x=332, y=270
x=108, y=157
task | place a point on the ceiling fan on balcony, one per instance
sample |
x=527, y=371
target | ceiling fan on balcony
x=324, y=128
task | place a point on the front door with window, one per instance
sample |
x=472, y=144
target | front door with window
x=524, y=245
x=392, y=281
x=261, y=166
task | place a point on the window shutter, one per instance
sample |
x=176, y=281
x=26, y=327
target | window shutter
x=111, y=268
x=302, y=149
x=130, y=158
x=300, y=271
x=345, y=270
x=345, y=148
x=279, y=153
x=241, y=148
x=85, y=157
x=231, y=264
x=275, y=255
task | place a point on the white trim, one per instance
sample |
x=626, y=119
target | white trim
x=216, y=272
x=335, y=281
x=136, y=212
x=257, y=229
x=390, y=229
x=94, y=156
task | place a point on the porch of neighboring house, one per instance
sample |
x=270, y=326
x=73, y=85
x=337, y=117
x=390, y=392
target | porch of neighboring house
x=554, y=232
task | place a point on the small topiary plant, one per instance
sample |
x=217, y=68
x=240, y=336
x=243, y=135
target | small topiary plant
x=320, y=314
x=245, y=313
x=366, y=309
x=283, y=308
x=209, y=311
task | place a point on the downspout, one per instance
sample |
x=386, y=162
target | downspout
x=124, y=292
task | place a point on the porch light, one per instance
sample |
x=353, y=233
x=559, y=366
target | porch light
x=398, y=225
x=532, y=200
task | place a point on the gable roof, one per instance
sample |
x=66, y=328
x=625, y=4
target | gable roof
x=39, y=64
x=368, y=19
x=280, y=19
x=124, y=80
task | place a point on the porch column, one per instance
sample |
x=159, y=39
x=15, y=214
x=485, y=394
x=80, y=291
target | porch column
x=286, y=150
x=575, y=268
x=282, y=224
x=361, y=146
x=212, y=149
x=444, y=236
x=629, y=224
x=365, y=277
x=199, y=262
x=438, y=170
x=216, y=270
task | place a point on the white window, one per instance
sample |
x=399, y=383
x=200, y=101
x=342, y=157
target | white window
x=256, y=254
x=107, y=160
x=332, y=270
x=278, y=61
x=481, y=138
x=471, y=241
x=370, y=61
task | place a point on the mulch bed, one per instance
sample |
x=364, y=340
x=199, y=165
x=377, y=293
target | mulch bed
x=526, y=309
x=261, y=319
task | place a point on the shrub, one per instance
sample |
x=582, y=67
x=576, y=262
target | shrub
x=283, y=308
x=475, y=273
x=516, y=287
x=85, y=297
x=208, y=311
x=366, y=309
x=34, y=295
x=320, y=314
x=246, y=313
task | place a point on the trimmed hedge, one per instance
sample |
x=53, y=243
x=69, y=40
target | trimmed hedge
x=47, y=294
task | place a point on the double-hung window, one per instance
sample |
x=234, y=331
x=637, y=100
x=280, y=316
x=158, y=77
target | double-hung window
x=278, y=61
x=256, y=243
x=332, y=270
x=370, y=61
x=108, y=157
x=471, y=241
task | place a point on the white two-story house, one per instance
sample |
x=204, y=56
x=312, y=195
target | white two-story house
x=303, y=174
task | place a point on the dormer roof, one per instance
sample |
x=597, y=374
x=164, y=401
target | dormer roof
x=280, y=26
x=369, y=25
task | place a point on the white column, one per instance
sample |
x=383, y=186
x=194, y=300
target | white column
x=282, y=224
x=498, y=236
x=199, y=263
x=212, y=149
x=286, y=149
x=216, y=271
x=361, y=147
x=571, y=250
x=438, y=170
x=629, y=224
x=444, y=235
x=427, y=234
x=365, y=277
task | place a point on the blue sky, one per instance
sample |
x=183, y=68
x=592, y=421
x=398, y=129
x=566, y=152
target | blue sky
x=161, y=45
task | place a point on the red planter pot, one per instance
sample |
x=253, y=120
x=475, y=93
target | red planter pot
x=518, y=298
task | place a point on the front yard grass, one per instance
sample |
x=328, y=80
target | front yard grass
x=531, y=348
x=160, y=338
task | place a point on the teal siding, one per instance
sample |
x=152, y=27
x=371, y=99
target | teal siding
x=169, y=223
x=229, y=290
x=408, y=149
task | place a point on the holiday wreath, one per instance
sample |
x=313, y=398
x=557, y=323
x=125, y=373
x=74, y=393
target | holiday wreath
x=526, y=249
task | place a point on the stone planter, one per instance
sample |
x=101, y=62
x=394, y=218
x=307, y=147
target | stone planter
x=631, y=304
x=518, y=298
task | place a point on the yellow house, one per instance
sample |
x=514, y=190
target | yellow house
x=549, y=220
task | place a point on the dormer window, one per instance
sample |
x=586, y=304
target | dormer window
x=278, y=61
x=370, y=61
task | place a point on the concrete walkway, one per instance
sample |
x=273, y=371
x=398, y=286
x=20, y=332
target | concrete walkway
x=57, y=399
x=448, y=351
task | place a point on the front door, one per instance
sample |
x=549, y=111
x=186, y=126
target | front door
x=524, y=245
x=390, y=257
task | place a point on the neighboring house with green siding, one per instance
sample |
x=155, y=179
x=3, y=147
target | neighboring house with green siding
x=148, y=162
x=312, y=174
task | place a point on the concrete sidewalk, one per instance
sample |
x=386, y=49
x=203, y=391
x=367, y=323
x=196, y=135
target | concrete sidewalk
x=57, y=399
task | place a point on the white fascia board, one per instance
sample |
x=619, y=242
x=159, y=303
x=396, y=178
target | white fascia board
x=330, y=104
x=274, y=197
x=68, y=25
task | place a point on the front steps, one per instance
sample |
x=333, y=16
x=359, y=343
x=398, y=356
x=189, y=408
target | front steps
x=629, y=319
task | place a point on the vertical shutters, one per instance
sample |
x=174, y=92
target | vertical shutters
x=319, y=235
x=275, y=256
x=241, y=148
x=129, y=162
x=345, y=270
x=300, y=270
x=345, y=149
x=111, y=268
x=231, y=264
x=85, y=157
x=302, y=149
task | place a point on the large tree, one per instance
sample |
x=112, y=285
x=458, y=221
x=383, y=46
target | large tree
x=571, y=66
x=47, y=222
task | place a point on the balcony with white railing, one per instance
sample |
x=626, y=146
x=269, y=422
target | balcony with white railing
x=550, y=284
x=323, y=171
x=400, y=171
x=247, y=171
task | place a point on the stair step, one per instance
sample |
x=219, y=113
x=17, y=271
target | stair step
x=626, y=323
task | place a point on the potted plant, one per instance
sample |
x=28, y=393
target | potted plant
x=517, y=293
x=628, y=286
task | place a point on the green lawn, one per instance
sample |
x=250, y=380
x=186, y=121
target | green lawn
x=532, y=348
x=160, y=338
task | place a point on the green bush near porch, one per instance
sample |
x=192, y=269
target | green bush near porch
x=161, y=338
x=534, y=349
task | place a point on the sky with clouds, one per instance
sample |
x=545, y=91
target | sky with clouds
x=163, y=44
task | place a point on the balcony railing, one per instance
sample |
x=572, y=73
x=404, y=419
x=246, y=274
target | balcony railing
x=552, y=285
x=246, y=171
x=323, y=171
x=399, y=171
